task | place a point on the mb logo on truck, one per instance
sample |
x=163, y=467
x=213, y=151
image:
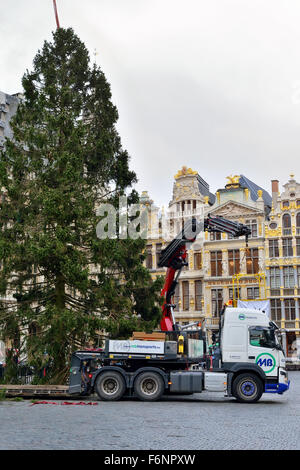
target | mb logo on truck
x=266, y=361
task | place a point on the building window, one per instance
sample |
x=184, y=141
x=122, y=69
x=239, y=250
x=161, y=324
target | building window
x=185, y=295
x=252, y=293
x=286, y=224
x=291, y=343
x=289, y=309
x=252, y=261
x=273, y=249
x=286, y=204
x=252, y=225
x=216, y=301
x=237, y=293
x=288, y=277
x=275, y=278
x=215, y=236
x=287, y=247
x=149, y=257
x=297, y=246
x=158, y=252
x=233, y=262
x=198, y=295
x=186, y=267
x=216, y=263
x=33, y=329
x=298, y=223
x=275, y=309
x=298, y=275
x=176, y=298
x=197, y=260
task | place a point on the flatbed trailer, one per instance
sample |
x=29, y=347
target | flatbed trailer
x=147, y=376
x=34, y=391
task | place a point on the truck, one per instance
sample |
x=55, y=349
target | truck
x=244, y=360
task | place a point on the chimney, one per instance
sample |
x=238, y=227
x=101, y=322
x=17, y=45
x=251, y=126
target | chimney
x=275, y=191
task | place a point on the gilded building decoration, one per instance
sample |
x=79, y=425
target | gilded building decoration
x=272, y=233
x=185, y=171
x=233, y=181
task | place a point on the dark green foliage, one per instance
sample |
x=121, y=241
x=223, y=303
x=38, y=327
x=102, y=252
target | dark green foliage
x=65, y=159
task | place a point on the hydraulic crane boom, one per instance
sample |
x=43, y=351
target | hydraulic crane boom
x=173, y=257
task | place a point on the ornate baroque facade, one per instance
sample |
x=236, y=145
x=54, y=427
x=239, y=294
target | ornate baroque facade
x=282, y=247
x=222, y=268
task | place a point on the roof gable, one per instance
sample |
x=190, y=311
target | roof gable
x=235, y=210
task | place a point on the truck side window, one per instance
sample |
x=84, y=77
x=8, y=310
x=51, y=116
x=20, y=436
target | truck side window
x=263, y=337
x=255, y=337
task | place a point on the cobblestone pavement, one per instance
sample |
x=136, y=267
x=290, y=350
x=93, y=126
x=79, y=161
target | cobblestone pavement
x=200, y=421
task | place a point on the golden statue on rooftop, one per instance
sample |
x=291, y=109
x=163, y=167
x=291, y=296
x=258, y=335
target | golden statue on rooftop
x=185, y=171
x=233, y=179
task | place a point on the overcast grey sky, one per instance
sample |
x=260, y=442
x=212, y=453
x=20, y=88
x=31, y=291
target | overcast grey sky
x=211, y=84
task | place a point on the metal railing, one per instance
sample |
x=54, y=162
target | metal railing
x=212, y=322
x=26, y=374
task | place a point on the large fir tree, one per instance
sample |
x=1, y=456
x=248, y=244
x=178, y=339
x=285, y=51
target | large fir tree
x=65, y=159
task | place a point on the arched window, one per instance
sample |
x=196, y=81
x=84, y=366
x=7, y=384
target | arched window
x=286, y=224
x=298, y=224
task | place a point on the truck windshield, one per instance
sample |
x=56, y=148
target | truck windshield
x=263, y=337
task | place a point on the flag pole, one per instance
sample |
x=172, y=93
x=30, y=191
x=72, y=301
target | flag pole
x=56, y=14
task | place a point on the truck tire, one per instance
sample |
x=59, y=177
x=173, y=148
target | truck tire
x=110, y=385
x=149, y=386
x=247, y=388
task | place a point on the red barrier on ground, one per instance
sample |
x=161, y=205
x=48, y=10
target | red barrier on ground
x=63, y=403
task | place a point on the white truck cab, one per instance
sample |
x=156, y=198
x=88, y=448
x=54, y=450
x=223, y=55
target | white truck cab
x=248, y=339
x=249, y=336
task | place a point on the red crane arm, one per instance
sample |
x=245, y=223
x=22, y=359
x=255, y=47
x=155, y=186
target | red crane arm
x=174, y=255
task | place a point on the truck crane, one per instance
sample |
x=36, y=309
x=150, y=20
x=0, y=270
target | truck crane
x=249, y=361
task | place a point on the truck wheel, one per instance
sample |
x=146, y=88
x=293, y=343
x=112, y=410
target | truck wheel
x=110, y=385
x=247, y=388
x=149, y=386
